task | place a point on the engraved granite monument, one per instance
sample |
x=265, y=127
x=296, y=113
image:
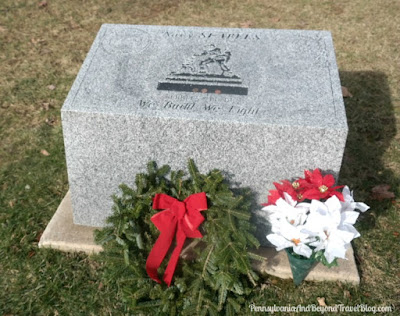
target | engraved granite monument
x=259, y=104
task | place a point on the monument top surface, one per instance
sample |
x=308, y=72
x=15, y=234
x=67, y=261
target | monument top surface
x=257, y=76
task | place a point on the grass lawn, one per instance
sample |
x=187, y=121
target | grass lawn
x=41, y=50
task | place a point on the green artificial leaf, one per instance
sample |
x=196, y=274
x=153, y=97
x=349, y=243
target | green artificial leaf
x=151, y=167
x=140, y=183
x=194, y=173
x=255, y=256
x=238, y=288
x=163, y=171
x=126, y=256
x=139, y=241
x=222, y=293
x=149, y=304
x=120, y=241
x=253, y=240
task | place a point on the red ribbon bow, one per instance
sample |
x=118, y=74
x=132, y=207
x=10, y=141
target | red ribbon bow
x=182, y=218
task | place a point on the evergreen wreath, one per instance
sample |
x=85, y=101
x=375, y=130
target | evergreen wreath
x=216, y=279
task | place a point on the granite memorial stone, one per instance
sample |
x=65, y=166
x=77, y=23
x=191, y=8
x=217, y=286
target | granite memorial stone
x=258, y=104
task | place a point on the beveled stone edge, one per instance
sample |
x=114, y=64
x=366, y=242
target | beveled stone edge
x=62, y=234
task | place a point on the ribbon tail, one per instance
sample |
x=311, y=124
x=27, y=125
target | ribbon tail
x=158, y=253
x=173, y=261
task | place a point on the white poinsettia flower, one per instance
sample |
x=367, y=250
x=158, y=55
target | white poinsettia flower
x=350, y=229
x=332, y=228
x=335, y=250
x=286, y=235
x=287, y=209
x=348, y=219
x=349, y=204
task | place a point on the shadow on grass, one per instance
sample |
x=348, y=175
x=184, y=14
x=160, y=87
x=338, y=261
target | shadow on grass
x=372, y=127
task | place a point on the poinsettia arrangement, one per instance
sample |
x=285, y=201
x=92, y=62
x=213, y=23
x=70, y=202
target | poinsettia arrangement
x=311, y=218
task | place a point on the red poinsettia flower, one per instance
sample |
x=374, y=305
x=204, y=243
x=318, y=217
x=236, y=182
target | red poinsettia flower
x=285, y=186
x=294, y=189
x=273, y=196
x=319, y=187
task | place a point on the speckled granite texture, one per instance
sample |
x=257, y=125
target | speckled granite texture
x=262, y=105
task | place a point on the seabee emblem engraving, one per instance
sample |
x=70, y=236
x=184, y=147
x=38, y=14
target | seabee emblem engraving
x=206, y=72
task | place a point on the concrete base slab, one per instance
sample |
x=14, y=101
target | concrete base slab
x=62, y=234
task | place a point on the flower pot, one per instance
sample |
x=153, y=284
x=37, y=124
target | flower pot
x=300, y=266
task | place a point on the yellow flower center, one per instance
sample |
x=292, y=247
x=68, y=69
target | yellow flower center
x=299, y=196
x=296, y=241
x=295, y=185
x=323, y=188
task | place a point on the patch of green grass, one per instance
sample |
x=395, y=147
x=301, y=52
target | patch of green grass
x=46, y=46
x=33, y=281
